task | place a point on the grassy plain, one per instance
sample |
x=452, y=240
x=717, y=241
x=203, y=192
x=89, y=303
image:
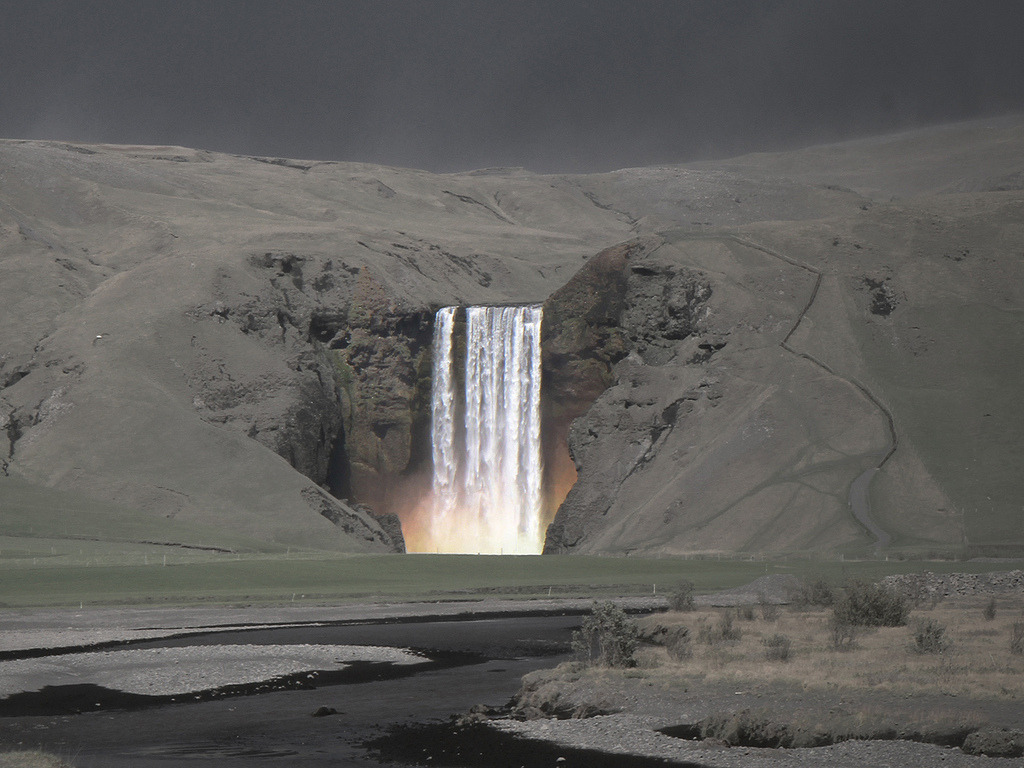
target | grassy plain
x=47, y=572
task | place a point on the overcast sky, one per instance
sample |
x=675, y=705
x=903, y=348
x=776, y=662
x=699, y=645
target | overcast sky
x=553, y=85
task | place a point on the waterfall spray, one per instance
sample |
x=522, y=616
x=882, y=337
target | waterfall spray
x=486, y=446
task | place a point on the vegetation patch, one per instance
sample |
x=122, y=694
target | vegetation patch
x=871, y=605
x=681, y=598
x=607, y=637
x=930, y=637
x=954, y=684
x=947, y=655
x=762, y=728
x=776, y=647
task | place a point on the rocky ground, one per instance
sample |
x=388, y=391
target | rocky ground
x=930, y=586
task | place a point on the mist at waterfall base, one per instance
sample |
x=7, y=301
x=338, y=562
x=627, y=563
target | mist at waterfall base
x=487, y=491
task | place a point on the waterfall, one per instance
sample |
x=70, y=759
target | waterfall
x=442, y=404
x=486, y=446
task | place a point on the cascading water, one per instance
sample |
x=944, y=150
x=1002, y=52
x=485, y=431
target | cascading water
x=486, y=445
x=442, y=410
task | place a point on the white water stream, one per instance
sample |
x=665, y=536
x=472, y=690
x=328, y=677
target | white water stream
x=486, y=439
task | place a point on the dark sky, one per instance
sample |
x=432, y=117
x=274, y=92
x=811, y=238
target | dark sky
x=548, y=84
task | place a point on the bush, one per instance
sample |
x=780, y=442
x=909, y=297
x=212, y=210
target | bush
x=675, y=639
x=706, y=633
x=681, y=598
x=769, y=611
x=678, y=644
x=745, y=612
x=870, y=605
x=995, y=742
x=1017, y=638
x=990, y=610
x=930, y=637
x=776, y=647
x=841, y=633
x=607, y=637
x=816, y=593
x=725, y=631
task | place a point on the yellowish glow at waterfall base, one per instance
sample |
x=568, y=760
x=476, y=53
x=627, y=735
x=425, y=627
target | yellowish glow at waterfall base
x=469, y=536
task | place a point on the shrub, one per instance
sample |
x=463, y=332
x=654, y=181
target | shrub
x=607, y=637
x=724, y=631
x=745, y=612
x=1017, y=638
x=816, y=593
x=678, y=644
x=990, y=610
x=776, y=647
x=930, y=637
x=726, y=628
x=675, y=639
x=841, y=633
x=681, y=598
x=870, y=605
x=706, y=633
x=769, y=611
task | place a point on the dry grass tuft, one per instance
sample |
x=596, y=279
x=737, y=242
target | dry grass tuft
x=1017, y=638
x=974, y=663
x=31, y=759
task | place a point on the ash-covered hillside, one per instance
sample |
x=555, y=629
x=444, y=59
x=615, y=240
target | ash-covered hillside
x=800, y=351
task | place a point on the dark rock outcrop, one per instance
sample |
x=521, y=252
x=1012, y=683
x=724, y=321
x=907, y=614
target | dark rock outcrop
x=625, y=304
x=349, y=413
x=380, y=352
x=581, y=341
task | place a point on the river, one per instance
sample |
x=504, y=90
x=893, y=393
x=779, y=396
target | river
x=475, y=661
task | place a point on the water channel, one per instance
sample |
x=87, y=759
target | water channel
x=474, y=661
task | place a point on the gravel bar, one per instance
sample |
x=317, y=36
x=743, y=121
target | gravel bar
x=53, y=628
x=174, y=671
x=628, y=734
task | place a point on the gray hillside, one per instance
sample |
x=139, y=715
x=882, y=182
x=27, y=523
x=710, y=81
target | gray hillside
x=207, y=344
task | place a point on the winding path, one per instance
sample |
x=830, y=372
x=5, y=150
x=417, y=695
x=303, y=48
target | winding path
x=858, y=497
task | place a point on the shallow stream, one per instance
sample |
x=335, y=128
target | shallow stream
x=474, y=661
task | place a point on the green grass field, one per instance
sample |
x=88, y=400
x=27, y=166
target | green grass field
x=311, y=576
x=63, y=550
